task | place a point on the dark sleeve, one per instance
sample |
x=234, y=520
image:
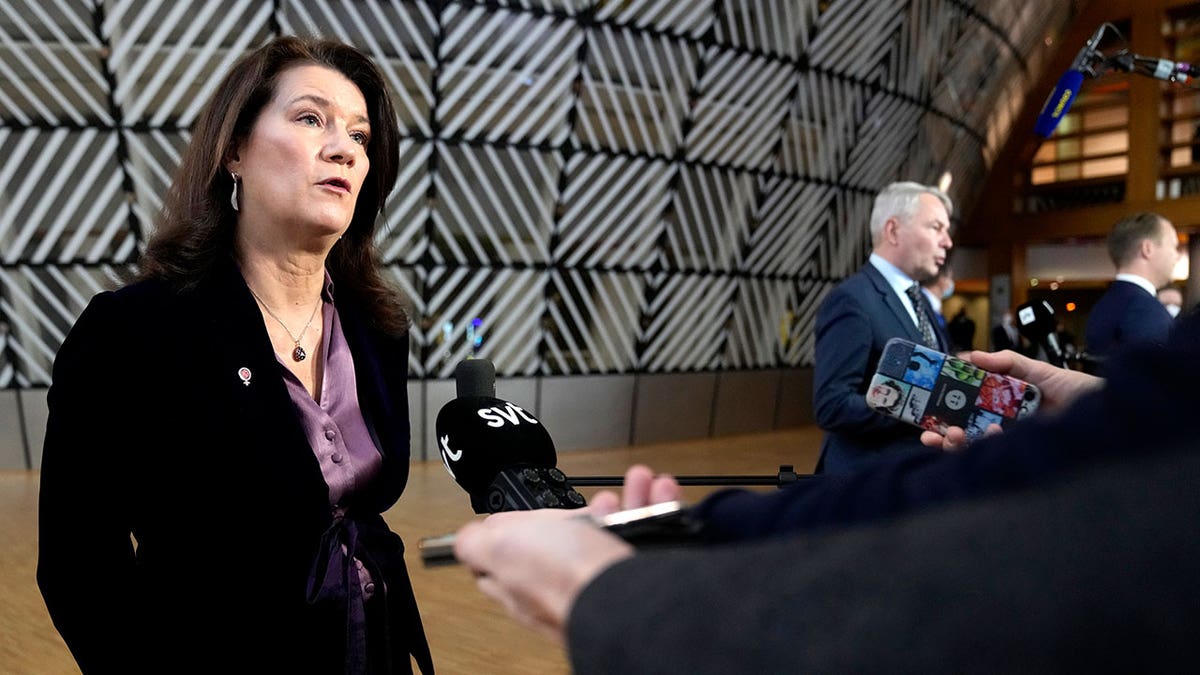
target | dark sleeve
x=1147, y=401
x=1146, y=321
x=842, y=363
x=85, y=555
x=1041, y=581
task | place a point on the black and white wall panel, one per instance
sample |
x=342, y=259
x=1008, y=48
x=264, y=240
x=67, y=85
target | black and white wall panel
x=599, y=196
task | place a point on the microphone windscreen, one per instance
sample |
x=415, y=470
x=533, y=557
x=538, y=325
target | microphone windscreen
x=1058, y=103
x=475, y=377
x=1035, y=319
x=1035, y=312
x=479, y=436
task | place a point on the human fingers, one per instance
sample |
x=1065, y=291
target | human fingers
x=1059, y=386
x=603, y=503
x=956, y=439
x=536, y=566
x=664, y=488
x=636, y=492
x=953, y=440
x=932, y=439
x=1005, y=361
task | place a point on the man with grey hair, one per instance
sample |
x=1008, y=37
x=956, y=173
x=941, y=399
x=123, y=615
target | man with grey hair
x=1145, y=248
x=910, y=235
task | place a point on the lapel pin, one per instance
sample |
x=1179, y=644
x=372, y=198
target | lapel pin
x=244, y=373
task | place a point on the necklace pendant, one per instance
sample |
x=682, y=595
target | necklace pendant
x=298, y=354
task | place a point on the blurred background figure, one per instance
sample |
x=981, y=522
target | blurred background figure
x=1144, y=247
x=1172, y=299
x=937, y=289
x=1066, y=340
x=1006, y=336
x=961, y=330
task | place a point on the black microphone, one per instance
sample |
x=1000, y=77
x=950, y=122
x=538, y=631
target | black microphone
x=496, y=450
x=1035, y=320
x=1060, y=100
x=1164, y=69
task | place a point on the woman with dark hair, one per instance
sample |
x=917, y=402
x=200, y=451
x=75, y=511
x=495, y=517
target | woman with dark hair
x=226, y=432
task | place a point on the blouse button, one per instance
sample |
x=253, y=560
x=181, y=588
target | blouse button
x=336, y=457
x=330, y=434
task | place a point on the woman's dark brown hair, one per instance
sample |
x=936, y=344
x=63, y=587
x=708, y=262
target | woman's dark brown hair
x=197, y=223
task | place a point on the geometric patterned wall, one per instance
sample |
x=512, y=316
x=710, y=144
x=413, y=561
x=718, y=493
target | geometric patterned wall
x=608, y=187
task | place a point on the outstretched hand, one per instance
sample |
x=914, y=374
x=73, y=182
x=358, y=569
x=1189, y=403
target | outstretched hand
x=1059, y=387
x=535, y=563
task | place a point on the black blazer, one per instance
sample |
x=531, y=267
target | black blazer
x=1124, y=315
x=854, y=322
x=152, y=432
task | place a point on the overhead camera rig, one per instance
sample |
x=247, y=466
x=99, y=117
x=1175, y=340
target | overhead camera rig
x=1092, y=62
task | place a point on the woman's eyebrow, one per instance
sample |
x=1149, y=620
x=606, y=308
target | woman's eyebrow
x=323, y=102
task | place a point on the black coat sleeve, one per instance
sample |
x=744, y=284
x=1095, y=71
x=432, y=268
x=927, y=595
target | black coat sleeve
x=85, y=552
x=1091, y=575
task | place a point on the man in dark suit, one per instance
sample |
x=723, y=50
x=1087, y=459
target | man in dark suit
x=910, y=233
x=1145, y=248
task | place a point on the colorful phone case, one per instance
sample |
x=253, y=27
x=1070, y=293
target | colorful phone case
x=935, y=391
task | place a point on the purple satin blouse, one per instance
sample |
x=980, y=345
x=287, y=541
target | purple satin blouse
x=333, y=423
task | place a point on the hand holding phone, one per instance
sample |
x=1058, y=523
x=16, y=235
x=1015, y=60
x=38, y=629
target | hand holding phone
x=662, y=524
x=935, y=391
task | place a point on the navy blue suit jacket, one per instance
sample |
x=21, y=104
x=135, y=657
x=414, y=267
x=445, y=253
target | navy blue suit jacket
x=1126, y=314
x=854, y=323
x=1146, y=406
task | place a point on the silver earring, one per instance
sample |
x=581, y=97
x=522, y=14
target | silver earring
x=233, y=198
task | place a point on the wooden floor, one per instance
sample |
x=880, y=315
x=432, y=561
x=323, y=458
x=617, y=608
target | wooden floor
x=467, y=633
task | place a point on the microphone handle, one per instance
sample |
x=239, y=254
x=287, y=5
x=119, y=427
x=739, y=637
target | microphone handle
x=785, y=477
x=617, y=481
x=526, y=488
x=1054, y=351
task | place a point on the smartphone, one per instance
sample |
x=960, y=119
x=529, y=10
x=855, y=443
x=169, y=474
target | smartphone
x=665, y=523
x=935, y=391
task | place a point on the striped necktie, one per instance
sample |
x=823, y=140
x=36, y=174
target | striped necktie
x=923, y=323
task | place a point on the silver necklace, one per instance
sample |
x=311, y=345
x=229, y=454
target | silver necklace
x=298, y=354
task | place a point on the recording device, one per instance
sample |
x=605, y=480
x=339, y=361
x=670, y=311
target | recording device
x=1162, y=69
x=663, y=524
x=1035, y=321
x=496, y=450
x=935, y=391
x=1093, y=63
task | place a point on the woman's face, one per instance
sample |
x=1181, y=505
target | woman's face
x=304, y=163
